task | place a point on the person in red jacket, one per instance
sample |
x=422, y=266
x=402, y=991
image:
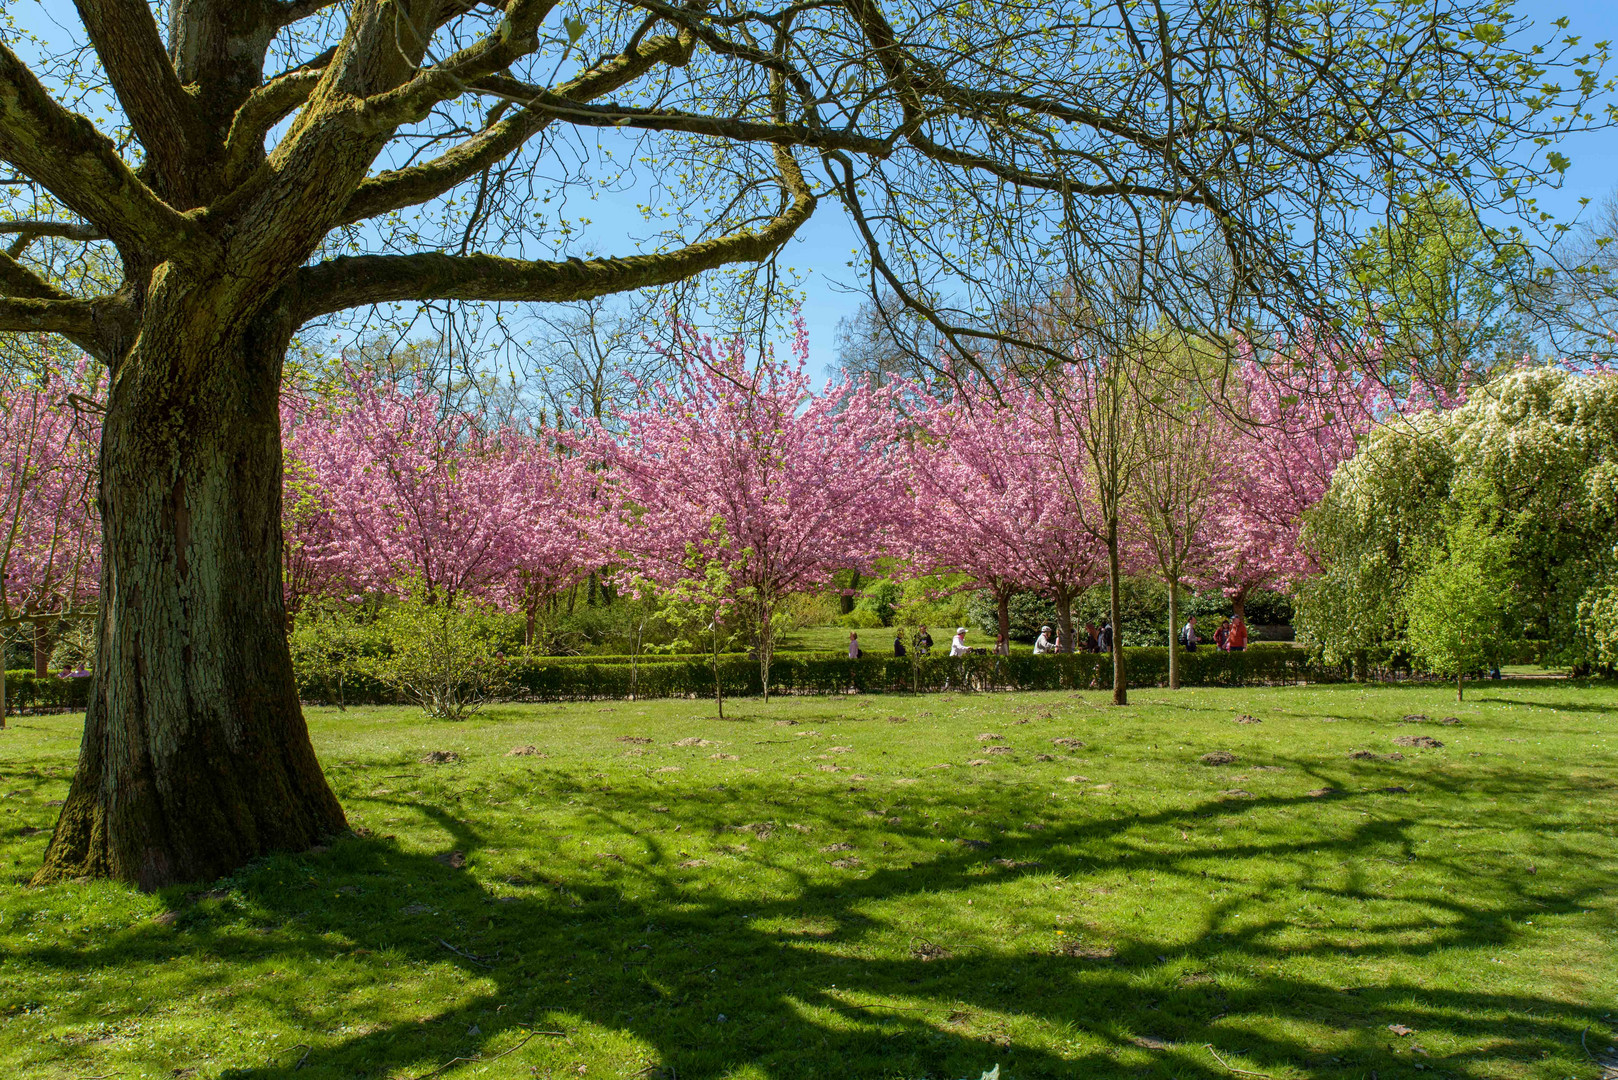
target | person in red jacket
x=1238, y=635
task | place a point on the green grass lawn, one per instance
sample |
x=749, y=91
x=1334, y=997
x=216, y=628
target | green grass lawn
x=872, y=888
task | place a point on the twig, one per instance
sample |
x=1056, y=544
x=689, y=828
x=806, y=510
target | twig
x=1232, y=1068
x=469, y=956
x=879, y=1005
x=452, y=1062
x=307, y=1050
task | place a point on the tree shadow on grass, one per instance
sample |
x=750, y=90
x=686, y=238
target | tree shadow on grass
x=812, y=985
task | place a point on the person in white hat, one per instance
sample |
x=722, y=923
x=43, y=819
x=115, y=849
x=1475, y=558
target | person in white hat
x=1043, y=644
x=958, y=646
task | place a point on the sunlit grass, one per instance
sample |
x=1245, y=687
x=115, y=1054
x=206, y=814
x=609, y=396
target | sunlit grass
x=836, y=880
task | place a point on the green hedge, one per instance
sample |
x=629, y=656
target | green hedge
x=579, y=678
x=25, y=690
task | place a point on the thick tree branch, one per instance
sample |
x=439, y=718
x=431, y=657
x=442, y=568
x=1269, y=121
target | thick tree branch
x=17, y=280
x=75, y=318
x=269, y=104
x=28, y=231
x=127, y=41
x=380, y=279
x=515, y=37
x=65, y=154
x=399, y=188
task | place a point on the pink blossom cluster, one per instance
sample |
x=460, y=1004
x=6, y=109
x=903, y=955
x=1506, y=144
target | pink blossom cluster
x=50, y=525
x=804, y=483
x=387, y=488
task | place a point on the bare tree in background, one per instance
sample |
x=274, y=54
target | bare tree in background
x=1578, y=307
x=885, y=339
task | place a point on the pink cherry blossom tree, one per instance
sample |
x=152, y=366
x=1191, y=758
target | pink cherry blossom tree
x=989, y=503
x=803, y=483
x=412, y=494
x=1304, y=412
x=50, y=530
x=560, y=541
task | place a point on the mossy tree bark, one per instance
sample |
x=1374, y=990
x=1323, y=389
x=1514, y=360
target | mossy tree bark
x=195, y=756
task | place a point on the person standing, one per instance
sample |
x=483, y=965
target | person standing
x=898, y=643
x=1043, y=643
x=1104, y=641
x=1222, y=635
x=1238, y=635
x=958, y=646
x=1188, y=635
x=854, y=650
x=1002, y=647
x=1090, y=641
x=924, y=641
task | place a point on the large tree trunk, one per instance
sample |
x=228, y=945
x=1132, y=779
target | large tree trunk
x=195, y=756
x=1120, y=677
x=1174, y=633
x=1002, y=600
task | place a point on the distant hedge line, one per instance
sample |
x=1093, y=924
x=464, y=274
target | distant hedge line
x=587, y=679
x=25, y=690
x=590, y=678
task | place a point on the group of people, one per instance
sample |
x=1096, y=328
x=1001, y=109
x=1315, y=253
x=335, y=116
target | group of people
x=924, y=644
x=1095, y=640
x=1229, y=636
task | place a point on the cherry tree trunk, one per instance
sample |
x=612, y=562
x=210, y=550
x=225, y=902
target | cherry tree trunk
x=1064, y=619
x=1002, y=598
x=195, y=756
x=44, y=641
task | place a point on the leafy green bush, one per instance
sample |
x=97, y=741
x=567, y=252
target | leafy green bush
x=444, y=656
x=27, y=691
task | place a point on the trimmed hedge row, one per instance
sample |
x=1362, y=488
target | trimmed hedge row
x=580, y=679
x=25, y=690
x=576, y=679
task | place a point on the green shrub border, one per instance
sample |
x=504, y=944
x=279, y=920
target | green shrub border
x=26, y=691
x=610, y=678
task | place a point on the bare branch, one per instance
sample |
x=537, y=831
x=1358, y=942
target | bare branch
x=380, y=279
x=28, y=231
x=399, y=188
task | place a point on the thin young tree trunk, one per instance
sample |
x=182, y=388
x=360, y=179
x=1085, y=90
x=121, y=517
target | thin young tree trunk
x=766, y=645
x=1174, y=633
x=1120, y=677
x=1460, y=677
x=195, y=757
x=718, y=687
